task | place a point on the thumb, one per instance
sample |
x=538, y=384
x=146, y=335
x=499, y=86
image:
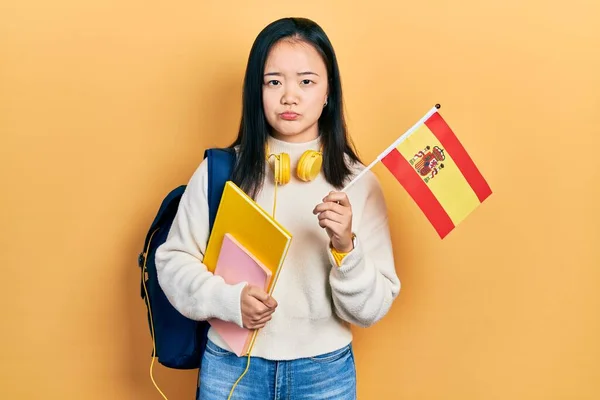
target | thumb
x=270, y=302
x=259, y=294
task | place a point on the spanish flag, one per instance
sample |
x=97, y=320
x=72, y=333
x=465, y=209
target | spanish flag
x=436, y=171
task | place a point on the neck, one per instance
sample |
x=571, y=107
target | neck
x=307, y=136
x=294, y=149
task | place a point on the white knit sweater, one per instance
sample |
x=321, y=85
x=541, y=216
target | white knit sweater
x=317, y=299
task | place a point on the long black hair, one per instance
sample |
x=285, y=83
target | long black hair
x=254, y=129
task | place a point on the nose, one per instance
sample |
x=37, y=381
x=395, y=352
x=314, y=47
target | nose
x=290, y=95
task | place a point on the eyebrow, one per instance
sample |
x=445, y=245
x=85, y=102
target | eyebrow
x=299, y=73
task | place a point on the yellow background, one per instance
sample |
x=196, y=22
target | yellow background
x=107, y=105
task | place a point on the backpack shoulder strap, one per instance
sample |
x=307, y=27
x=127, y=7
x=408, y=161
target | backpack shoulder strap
x=165, y=211
x=220, y=167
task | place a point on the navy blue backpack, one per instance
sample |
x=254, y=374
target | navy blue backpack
x=179, y=341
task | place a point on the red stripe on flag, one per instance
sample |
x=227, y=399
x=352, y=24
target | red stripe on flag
x=418, y=190
x=463, y=161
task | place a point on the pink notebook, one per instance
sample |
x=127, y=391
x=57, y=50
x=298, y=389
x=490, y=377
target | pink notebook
x=235, y=264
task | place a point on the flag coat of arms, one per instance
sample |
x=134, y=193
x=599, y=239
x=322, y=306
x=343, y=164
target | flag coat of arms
x=436, y=171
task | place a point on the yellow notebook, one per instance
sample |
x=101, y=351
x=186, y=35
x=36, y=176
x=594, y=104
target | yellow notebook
x=254, y=228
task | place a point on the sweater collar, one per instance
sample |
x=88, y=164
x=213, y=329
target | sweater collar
x=295, y=150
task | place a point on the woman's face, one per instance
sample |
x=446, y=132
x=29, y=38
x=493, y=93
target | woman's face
x=295, y=87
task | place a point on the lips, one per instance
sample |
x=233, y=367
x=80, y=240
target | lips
x=289, y=116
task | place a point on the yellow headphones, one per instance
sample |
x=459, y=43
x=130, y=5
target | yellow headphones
x=309, y=166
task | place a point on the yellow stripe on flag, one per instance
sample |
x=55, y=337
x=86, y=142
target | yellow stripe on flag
x=449, y=186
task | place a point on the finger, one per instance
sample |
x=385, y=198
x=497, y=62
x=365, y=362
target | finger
x=264, y=320
x=330, y=206
x=338, y=197
x=335, y=228
x=339, y=218
x=252, y=325
x=259, y=294
x=257, y=307
x=271, y=303
x=257, y=326
x=262, y=311
x=258, y=318
x=258, y=310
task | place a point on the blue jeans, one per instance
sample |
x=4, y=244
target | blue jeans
x=328, y=376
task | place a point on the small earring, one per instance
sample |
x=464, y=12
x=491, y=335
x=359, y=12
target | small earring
x=325, y=105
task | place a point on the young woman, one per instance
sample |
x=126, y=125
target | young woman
x=339, y=270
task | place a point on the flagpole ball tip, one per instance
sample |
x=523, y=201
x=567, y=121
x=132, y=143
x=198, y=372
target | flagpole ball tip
x=437, y=106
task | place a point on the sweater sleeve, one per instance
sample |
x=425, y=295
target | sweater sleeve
x=365, y=284
x=193, y=290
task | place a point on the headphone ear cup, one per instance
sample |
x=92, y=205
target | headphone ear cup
x=309, y=165
x=282, y=169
